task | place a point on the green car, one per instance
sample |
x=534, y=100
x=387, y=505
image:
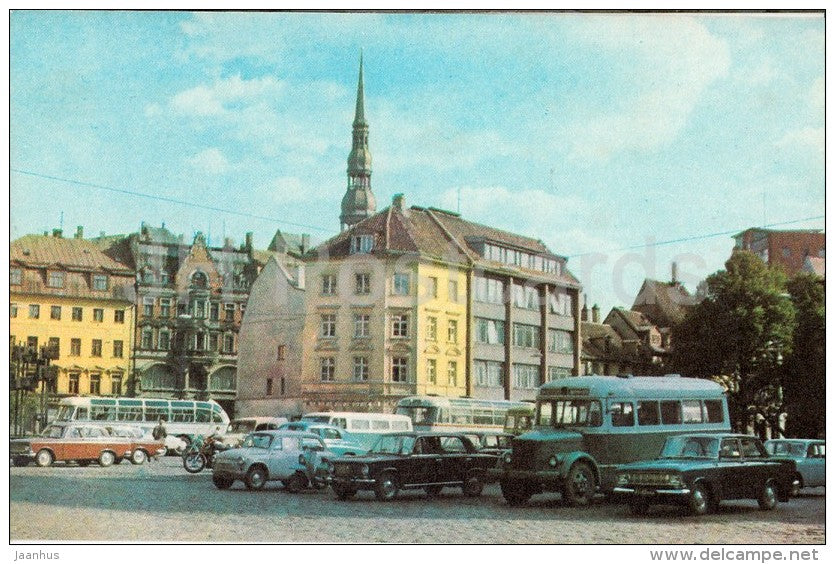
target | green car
x=698, y=471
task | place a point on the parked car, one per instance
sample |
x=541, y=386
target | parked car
x=491, y=442
x=239, y=428
x=339, y=441
x=413, y=460
x=296, y=459
x=143, y=445
x=809, y=456
x=82, y=443
x=700, y=470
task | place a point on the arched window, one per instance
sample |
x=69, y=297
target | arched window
x=199, y=279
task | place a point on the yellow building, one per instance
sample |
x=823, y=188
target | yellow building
x=67, y=294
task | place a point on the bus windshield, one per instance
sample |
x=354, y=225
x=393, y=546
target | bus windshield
x=419, y=415
x=65, y=412
x=569, y=412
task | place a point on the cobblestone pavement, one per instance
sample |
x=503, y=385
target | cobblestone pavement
x=160, y=502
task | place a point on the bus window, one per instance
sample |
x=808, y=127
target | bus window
x=648, y=413
x=81, y=414
x=216, y=417
x=545, y=413
x=691, y=411
x=622, y=414
x=399, y=426
x=670, y=413
x=339, y=422
x=378, y=425
x=65, y=412
x=204, y=415
x=483, y=417
x=713, y=409
x=360, y=424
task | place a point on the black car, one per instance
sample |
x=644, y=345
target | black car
x=699, y=471
x=414, y=460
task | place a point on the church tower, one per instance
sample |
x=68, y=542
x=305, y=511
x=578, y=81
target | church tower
x=358, y=202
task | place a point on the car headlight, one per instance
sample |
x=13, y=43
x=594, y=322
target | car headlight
x=364, y=470
x=674, y=480
x=622, y=479
x=240, y=462
x=507, y=458
x=552, y=462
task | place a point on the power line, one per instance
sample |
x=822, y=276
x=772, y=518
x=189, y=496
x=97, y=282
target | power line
x=166, y=199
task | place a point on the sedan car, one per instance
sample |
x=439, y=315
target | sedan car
x=295, y=459
x=414, y=460
x=699, y=471
x=809, y=456
x=491, y=442
x=338, y=441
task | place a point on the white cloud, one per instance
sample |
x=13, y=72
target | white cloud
x=804, y=139
x=210, y=161
x=222, y=96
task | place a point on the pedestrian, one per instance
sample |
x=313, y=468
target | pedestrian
x=159, y=433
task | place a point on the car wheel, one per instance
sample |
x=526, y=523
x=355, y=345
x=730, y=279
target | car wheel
x=162, y=451
x=19, y=461
x=768, y=496
x=796, y=486
x=433, y=491
x=579, y=485
x=515, y=494
x=387, y=487
x=295, y=483
x=256, y=478
x=699, y=501
x=222, y=482
x=106, y=458
x=139, y=456
x=343, y=492
x=639, y=507
x=472, y=486
x=44, y=458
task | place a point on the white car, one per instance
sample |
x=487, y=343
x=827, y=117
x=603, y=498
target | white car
x=239, y=428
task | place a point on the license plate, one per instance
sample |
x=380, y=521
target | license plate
x=644, y=491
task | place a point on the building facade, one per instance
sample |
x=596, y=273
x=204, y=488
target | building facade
x=788, y=249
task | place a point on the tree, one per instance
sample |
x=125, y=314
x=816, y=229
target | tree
x=739, y=335
x=804, y=372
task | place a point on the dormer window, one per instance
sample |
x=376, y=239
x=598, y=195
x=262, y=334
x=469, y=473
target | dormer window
x=15, y=276
x=55, y=280
x=362, y=244
x=199, y=280
x=100, y=282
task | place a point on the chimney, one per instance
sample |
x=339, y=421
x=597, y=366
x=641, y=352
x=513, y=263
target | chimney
x=227, y=243
x=675, y=273
x=248, y=245
x=79, y=232
x=305, y=242
x=595, y=314
x=399, y=202
x=584, y=313
x=57, y=233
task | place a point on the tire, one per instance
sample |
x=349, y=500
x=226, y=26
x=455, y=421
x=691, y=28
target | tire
x=579, y=487
x=699, y=502
x=163, y=451
x=44, y=458
x=343, y=492
x=639, y=507
x=222, y=482
x=387, y=487
x=295, y=483
x=256, y=478
x=515, y=494
x=106, y=458
x=139, y=456
x=473, y=486
x=433, y=491
x=767, y=499
x=194, y=462
x=20, y=461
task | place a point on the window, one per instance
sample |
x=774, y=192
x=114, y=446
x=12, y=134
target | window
x=452, y=373
x=228, y=343
x=525, y=297
x=100, y=282
x=98, y=315
x=328, y=284
x=165, y=307
x=77, y=314
x=164, y=278
x=72, y=386
x=198, y=309
x=361, y=324
x=54, y=344
x=526, y=336
x=431, y=328
x=230, y=311
x=401, y=284
x=360, y=369
x=199, y=342
x=281, y=352
x=362, y=244
x=55, y=280
x=117, y=349
x=452, y=331
x=329, y=325
x=431, y=371
x=648, y=413
x=214, y=311
x=148, y=307
x=432, y=287
x=525, y=376
x=622, y=414
x=714, y=411
x=214, y=341
x=489, y=374
x=400, y=325
x=55, y=312
x=12, y=310
x=488, y=290
x=670, y=413
x=95, y=384
x=691, y=411
x=399, y=369
x=116, y=384
x=15, y=276
x=147, y=341
x=452, y=290
x=489, y=331
x=34, y=311
x=75, y=347
x=32, y=343
x=560, y=303
x=560, y=341
x=362, y=283
x=269, y=386
x=119, y=316
x=164, y=340
x=558, y=373
x=96, y=348
x=327, y=369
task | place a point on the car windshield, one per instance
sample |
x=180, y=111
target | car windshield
x=241, y=427
x=53, y=432
x=393, y=444
x=786, y=448
x=257, y=440
x=691, y=447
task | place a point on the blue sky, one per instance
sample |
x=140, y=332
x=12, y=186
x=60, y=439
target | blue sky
x=596, y=133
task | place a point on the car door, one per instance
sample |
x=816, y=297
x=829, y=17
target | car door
x=757, y=467
x=280, y=452
x=423, y=465
x=815, y=463
x=456, y=459
x=730, y=469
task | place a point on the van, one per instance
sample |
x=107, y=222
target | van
x=365, y=427
x=239, y=428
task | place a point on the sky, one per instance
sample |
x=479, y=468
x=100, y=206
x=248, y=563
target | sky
x=625, y=142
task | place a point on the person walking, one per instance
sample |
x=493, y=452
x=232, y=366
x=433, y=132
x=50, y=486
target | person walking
x=159, y=433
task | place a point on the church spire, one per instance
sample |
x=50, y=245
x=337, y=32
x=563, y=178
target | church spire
x=358, y=202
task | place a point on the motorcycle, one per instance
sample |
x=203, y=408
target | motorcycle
x=200, y=453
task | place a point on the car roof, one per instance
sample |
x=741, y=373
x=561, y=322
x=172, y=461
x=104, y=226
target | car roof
x=796, y=441
x=286, y=433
